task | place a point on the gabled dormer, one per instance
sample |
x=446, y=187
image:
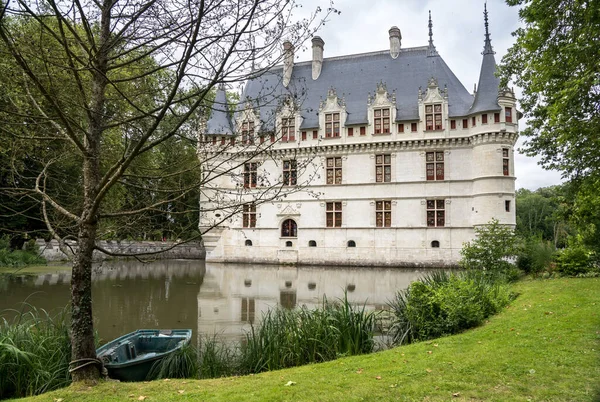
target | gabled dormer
x=433, y=107
x=288, y=120
x=381, y=110
x=332, y=115
x=247, y=123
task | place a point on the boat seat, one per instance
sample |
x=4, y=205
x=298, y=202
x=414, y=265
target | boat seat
x=131, y=350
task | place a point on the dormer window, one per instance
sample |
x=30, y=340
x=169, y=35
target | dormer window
x=433, y=117
x=381, y=120
x=288, y=129
x=332, y=125
x=247, y=132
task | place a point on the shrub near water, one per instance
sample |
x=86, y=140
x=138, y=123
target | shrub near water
x=445, y=303
x=35, y=351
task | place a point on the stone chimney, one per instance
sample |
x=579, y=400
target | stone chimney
x=288, y=62
x=317, y=61
x=395, y=37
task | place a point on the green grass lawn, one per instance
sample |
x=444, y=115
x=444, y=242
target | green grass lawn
x=544, y=347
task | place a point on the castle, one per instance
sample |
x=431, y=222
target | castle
x=374, y=159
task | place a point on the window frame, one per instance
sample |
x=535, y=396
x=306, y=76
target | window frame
x=249, y=215
x=250, y=174
x=383, y=213
x=505, y=162
x=434, y=164
x=333, y=214
x=381, y=120
x=290, y=227
x=383, y=168
x=288, y=129
x=435, y=210
x=332, y=125
x=248, y=132
x=290, y=172
x=434, y=117
x=333, y=170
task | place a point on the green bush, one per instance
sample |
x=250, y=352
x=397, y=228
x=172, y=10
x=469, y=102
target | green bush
x=490, y=251
x=575, y=260
x=444, y=304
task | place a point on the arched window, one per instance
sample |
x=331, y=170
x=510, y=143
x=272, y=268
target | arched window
x=289, y=228
x=435, y=244
x=312, y=243
x=351, y=243
x=288, y=244
x=248, y=242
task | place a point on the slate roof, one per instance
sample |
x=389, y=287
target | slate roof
x=354, y=77
x=219, y=121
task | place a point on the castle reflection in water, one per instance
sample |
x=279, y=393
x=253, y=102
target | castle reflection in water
x=211, y=298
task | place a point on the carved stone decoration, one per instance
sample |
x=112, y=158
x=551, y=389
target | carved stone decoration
x=332, y=102
x=289, y=211
x=382, y=97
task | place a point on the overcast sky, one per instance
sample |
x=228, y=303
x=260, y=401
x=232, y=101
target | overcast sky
x=458, y=34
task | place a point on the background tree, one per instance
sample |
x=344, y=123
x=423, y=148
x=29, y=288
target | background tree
x=555, y=60
x=104, y=93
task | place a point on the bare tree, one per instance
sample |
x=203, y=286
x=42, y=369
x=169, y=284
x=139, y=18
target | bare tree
x=101, y=87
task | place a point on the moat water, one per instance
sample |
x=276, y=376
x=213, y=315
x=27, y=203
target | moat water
x=209, y=298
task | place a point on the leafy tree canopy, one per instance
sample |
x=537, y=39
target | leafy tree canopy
x=556, y=61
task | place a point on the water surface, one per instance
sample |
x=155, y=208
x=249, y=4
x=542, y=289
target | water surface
x=209, y=298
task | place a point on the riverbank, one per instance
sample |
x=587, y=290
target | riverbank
x=545, y=346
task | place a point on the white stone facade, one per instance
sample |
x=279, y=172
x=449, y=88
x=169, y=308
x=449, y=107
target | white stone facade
x=470, y=182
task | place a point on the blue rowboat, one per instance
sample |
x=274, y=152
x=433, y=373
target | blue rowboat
x=130, y=357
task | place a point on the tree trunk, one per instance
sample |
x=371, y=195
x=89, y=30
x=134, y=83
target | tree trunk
x=83, y=349
x=82, y=325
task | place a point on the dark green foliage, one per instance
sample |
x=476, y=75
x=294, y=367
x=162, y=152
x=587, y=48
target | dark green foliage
x=35, y=350
x=445, y=303
x=19, y=258
x=182, y=363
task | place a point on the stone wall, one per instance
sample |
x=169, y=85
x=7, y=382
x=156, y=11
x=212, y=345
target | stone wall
x=195, y=251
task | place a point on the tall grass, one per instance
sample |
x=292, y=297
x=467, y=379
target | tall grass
x=182, y=363
x=288, y=338
x=35, y=351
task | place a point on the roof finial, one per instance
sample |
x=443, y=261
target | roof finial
x=487, y=47
x=431, y=51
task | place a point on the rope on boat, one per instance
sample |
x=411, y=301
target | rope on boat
x=88, y=362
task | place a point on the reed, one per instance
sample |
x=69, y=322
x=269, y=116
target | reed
x=288, y=338
x=35, y=351
x=216, y=359
x=182, y=363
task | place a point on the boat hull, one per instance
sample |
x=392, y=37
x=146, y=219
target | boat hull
x=131, y=357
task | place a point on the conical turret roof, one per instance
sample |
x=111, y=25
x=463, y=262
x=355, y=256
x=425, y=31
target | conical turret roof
x=486, y=97
x=219, y=121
